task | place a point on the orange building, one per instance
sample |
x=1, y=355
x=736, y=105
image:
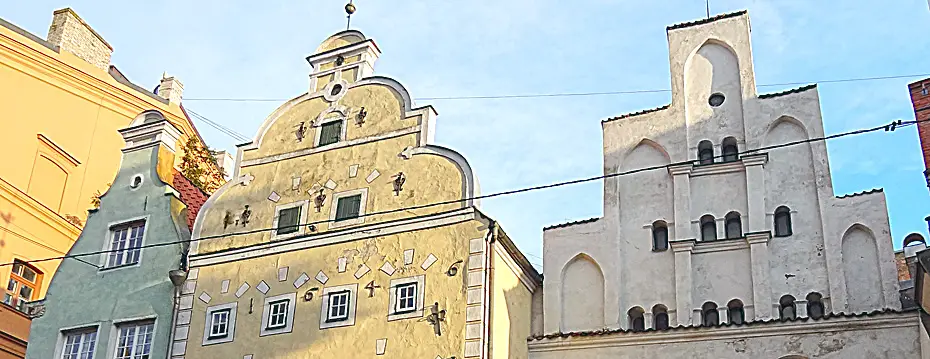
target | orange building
x=61, y=104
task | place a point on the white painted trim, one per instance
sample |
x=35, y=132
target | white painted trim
x=230, y=328
x=469, y=181
x=105, y=257
x=525, y=279
x=323, y=239
x=318, y=130
x=133, y=180
x=60, y=345
x=340, y=144
x=266, y=311
x=328, y=89
x=324, y=311
x=361, y=208
x=301, y=221
x=114, y=333
x=420, y=280
x=718, y=168
x=898, y=321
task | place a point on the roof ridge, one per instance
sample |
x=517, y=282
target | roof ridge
x=637, y=113
x=705, y=20
x=572, y=223
x=788, y=91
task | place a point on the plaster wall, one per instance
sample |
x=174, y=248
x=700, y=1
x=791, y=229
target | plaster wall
x=511, y=307
x=81, y=295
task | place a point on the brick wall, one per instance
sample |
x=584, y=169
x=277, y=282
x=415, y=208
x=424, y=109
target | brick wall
x=920, y=97
x=70, y=33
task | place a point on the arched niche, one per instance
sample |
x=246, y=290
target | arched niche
x=861, y=270
x=582, y=294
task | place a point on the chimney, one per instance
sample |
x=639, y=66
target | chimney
x=920, y=99
x=225, y=161
x=170, y=89
x=70, y=33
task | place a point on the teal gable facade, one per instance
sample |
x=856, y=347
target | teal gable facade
x=119, y=304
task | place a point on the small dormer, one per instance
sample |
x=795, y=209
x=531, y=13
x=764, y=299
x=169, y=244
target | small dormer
x=342, y=59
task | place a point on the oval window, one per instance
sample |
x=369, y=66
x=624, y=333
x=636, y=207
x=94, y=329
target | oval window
x=716, y=99
x=337, y=88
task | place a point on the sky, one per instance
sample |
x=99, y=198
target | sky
x=256, y=49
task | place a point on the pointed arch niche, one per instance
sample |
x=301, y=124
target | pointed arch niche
x=861, y=270
x=713, y=92
x=582, y=294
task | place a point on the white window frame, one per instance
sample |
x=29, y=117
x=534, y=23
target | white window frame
x=113, y=345
x=420, y=281
x=319, y=130
x=361, y=208
x=352, y=290
x=230, y=324
x=82, y=329
x=108, y=243
x=301, y=221
x=288, y=320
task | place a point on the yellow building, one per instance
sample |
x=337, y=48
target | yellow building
x=326, y=242
x=61, y=103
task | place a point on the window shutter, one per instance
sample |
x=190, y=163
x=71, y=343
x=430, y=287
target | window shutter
x=330, y=133
x=288, y=220
x=348, y=207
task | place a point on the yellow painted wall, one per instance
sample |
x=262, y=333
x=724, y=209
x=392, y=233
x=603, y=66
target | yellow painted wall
x=406, y=338
x=510, y=311
x=79, y=108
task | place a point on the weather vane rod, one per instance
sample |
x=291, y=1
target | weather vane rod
x=706, y=3
x=350, y=9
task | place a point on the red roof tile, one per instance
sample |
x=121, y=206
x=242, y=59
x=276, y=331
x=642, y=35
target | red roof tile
x=192, y=197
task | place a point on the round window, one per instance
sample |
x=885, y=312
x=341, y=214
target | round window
x=337, y=88
x=136, y=181
x=716, y=99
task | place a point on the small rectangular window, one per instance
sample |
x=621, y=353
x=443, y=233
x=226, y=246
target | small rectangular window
x=348, y=207
x=330, y=132
x=406, y=298
x=219, y=323
x=278, y=317
x=338, y=306
x=125, y=244
x=288, y=220
x=135, y=341
x=79, y=344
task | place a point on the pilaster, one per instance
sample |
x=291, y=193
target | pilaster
x=755, y=190
x=759, y=260
x=682, y=250
x=681, y=175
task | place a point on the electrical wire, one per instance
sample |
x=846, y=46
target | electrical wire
x=575, y=94
x=225, y=130
x=890, y=127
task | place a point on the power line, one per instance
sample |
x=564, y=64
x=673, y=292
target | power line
x=892, y=126
x=575, y=94
x=225, y=130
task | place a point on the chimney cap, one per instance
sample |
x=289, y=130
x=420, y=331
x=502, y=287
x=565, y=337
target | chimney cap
x=70, y=11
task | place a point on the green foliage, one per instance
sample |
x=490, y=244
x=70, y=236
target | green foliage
x=199, y=166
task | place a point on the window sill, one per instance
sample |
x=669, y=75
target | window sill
x=717, y=168
x=121, y=266
x=405, y=315
x=720, y=245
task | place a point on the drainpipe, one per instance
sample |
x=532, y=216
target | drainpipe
x=488, y=247
x=178, y=276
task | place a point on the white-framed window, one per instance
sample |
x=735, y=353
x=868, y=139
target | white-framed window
x=125, y=244
x=406, y=299
x=79, y=343
x=278, y=314
x=348, y=208
x=289, y=219
x=220, y=324
x=134, y=340
x=339, y=305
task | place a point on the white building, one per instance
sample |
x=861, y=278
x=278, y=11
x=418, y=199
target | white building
x=735, y=255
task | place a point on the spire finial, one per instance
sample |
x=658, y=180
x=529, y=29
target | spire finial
x=350, y=9
x=706, y=3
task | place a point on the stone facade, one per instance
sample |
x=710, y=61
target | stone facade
x=70, y=33
x=723, y=234
x=330, y=219
x=96, y=304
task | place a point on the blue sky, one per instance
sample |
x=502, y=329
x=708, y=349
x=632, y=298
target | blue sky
x=256, y=49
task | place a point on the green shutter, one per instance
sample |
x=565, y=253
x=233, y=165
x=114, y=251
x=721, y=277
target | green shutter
x=288, y=220
x=330, y=133
x=348, y=207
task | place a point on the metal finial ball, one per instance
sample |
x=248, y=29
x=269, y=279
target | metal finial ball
x=350, y=8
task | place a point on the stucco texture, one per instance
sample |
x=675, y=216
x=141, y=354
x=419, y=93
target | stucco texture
x=406, y=338
x=511, y=303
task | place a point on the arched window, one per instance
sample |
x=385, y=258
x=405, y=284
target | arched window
x=782, y=222
x=786, y=308
x=730, y=150
x=735, y=312
x=815, y=307
x=659, y=317
x=734, y=226
x=705, y=152
x=709, y=315
x=659, y=236
x=637, y=322
x=708, y=228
